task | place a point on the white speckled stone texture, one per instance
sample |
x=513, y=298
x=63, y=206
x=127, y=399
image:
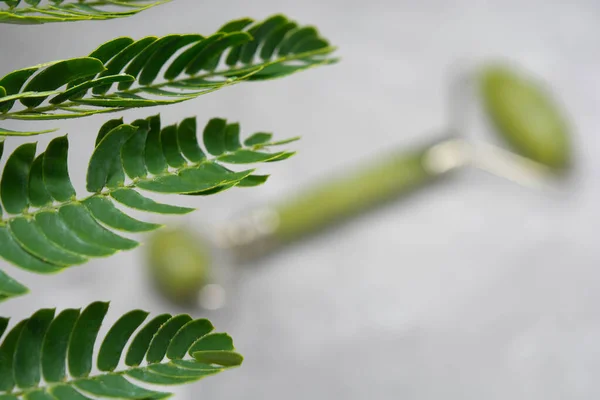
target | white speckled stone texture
x=476, y=288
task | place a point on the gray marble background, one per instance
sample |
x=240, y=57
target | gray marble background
x=476, y=288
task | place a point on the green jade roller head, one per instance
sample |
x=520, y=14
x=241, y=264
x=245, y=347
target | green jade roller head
x=179, y=263
x=521, y=111
x=526, y=117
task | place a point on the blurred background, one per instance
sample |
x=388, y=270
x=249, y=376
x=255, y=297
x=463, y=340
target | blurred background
x=475, y=287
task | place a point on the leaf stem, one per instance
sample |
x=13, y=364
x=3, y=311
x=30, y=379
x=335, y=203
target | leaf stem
x=107, y=191
x=73, y=382
x=247, y=71
x=49, y=8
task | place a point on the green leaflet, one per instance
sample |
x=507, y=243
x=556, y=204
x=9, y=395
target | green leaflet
x=7, y=356
x=161, y=341
x=174, y=371
x=38, y=395
x=83, y=337
x=258, y=138
x=170, y=147
x=141, y=343
x=12, y=84
x=296, y=37
x=133, y=151
x=232, y=137
x=188, y=140
x=214, y=136
x=13, y=187
x=104, y=210
x=38, y=194
x=134, y=200
x=253, y=180
x=11, y=251
x=56, y=345
x=59, y=74
x=69, y=11
x=56, y=170
x=283, y=156
x=155, y=160
x=104, y=154
x=187, y=336
x=213, y=342
x=145, y=57
x=276, y=71
x=9, y=132
x=123, y=58
x=116, y=339
x=216, y=189
x=10, y=287
x=26, y=363
x=195, y=366
x=260, y=32
x=108, y=50
x=83, y=87
x=203, y=177
x=180, y=63
x=79, y=220
x=209, y=56
x=3, y=325
x=46, y=344
x=104, y=53
x=49, y=229
x=1, y=152
x=64, y=392
x=32, y=239
x=112, y=175
x=223, y=358
x=235, y=25
x=274, y=38
x=146, y=375
x=161, y=56
x=193, y=66
x=117, y=386
x=250, y=157
x=55, y=229
x=106, y=128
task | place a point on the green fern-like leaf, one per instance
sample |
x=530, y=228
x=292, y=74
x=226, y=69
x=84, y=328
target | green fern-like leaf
x=124, y=73
x=30, y=12
x=51, y=356
x=49, y=229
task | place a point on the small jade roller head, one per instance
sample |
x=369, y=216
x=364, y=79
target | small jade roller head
x=179, y=263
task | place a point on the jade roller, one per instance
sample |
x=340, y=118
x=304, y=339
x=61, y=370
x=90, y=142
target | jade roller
x=183, y=264
x=520, y=109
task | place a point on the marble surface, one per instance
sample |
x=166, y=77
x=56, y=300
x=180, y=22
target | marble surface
x=475, y=288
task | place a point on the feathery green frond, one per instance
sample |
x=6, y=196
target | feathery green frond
x=31, y=12
x=48, y=228
x=51, y=355
x=126, y=73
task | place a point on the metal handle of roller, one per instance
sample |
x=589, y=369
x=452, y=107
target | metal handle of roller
x=314, y=209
